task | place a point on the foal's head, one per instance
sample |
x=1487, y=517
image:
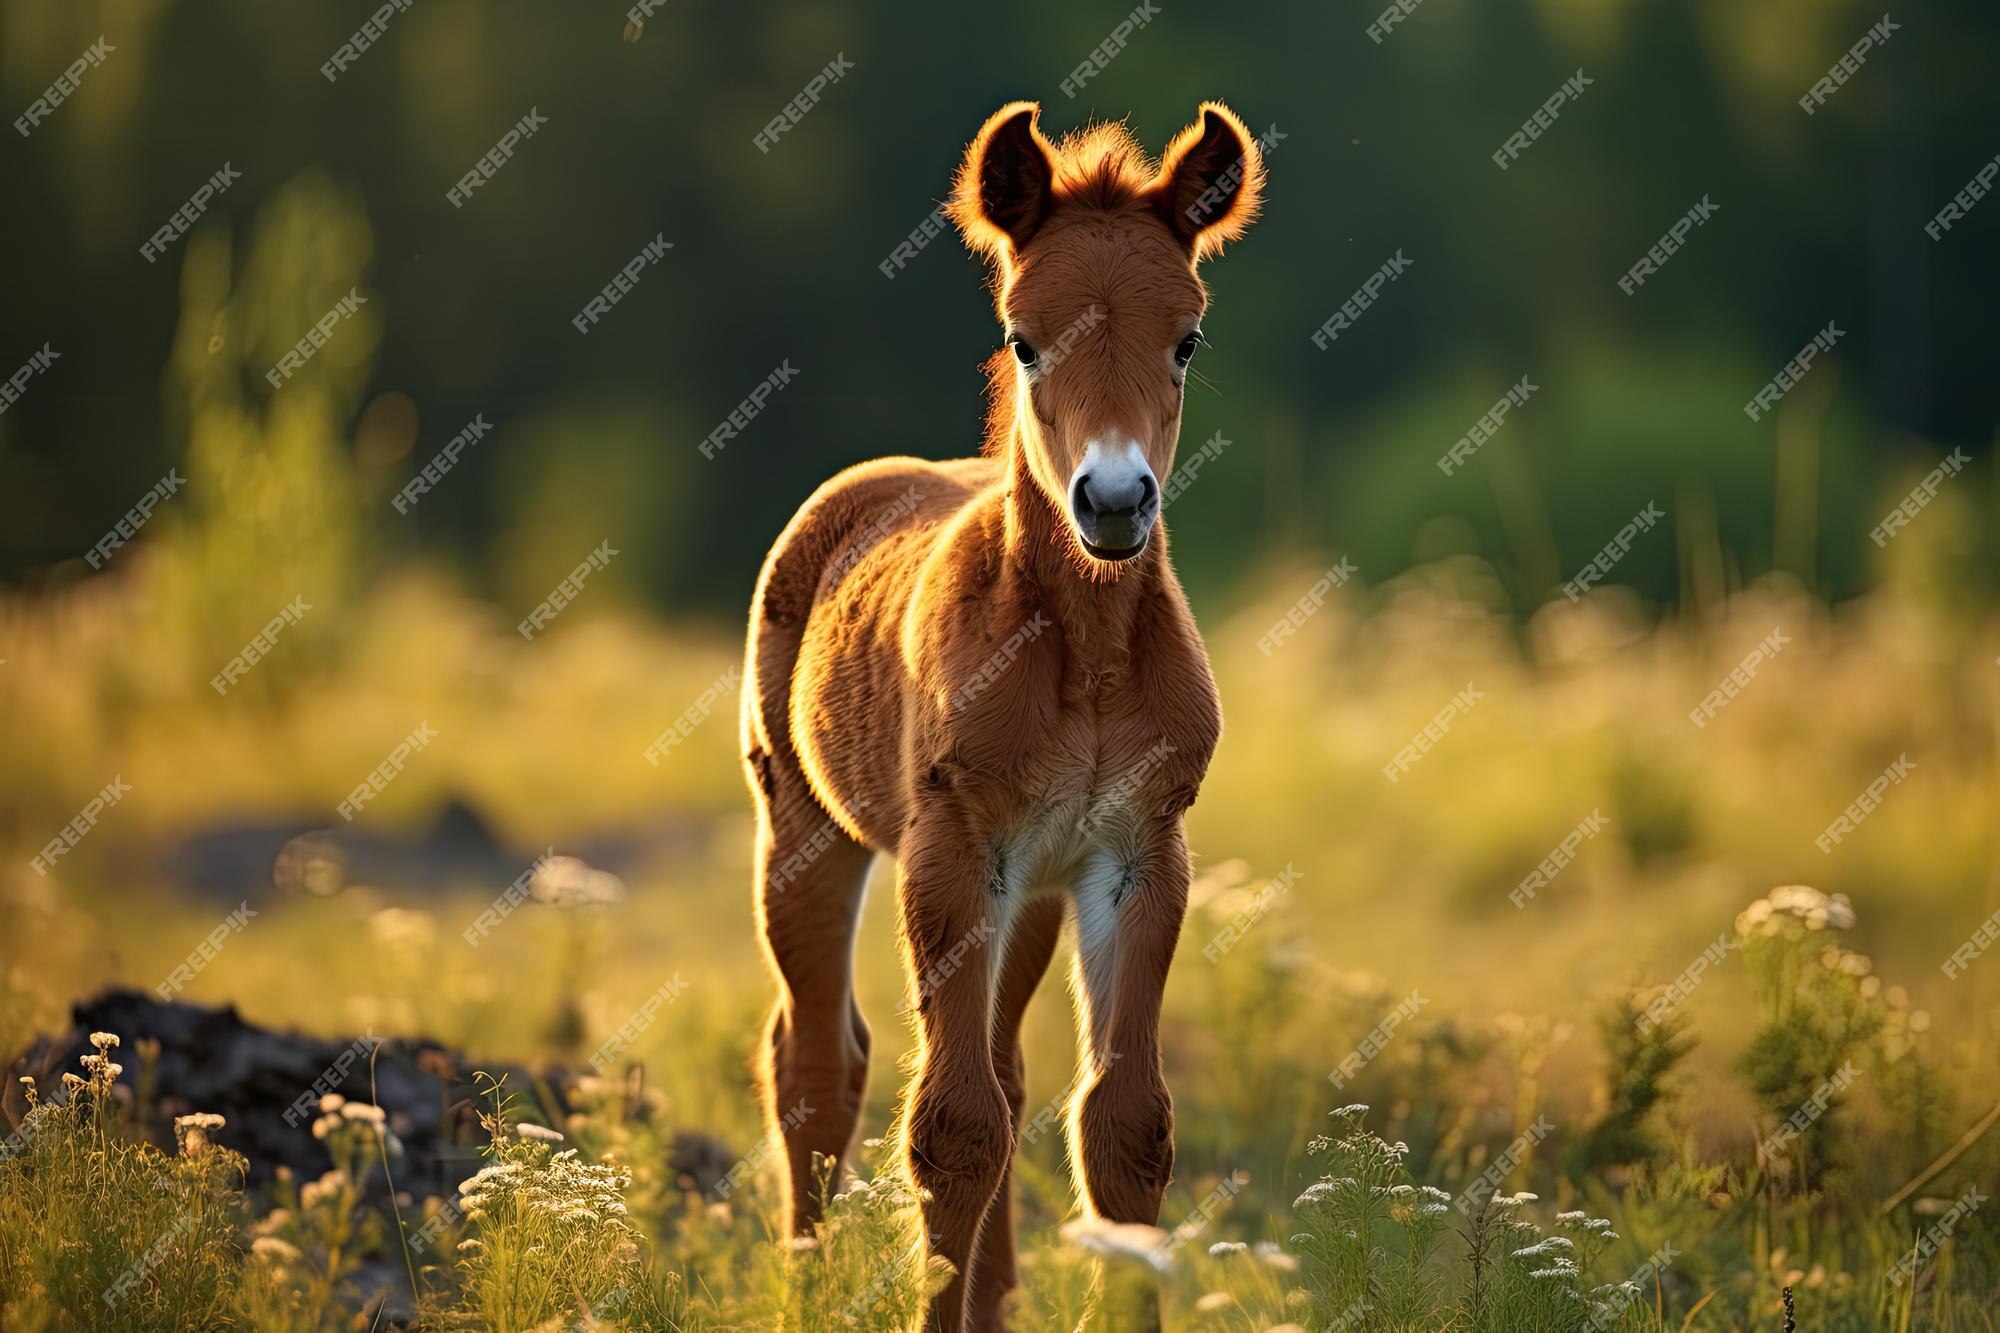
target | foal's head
x=1095, y=251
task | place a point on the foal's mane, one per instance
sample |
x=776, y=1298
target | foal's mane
x=1101, y=166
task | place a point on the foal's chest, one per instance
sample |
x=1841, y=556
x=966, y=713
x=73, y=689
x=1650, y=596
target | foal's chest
x=1102, y=790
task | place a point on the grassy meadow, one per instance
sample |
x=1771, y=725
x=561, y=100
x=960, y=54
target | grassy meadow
x=1529, y=1060
x=1608, y=963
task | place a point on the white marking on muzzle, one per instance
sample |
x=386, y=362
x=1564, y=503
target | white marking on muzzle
x=1114, y=471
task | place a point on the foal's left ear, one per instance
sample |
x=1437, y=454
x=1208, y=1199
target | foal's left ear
x=1211, y=181
x=1005, y=186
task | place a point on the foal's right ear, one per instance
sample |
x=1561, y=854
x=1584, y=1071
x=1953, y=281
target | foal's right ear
x=1006, y=183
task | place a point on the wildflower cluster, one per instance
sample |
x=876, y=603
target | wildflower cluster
x=550, y=1237
x=99, y=1224
x=1371, y=1232
x=1821, y=1004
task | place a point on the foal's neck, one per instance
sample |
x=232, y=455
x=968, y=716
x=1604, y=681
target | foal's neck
x=1096, y=615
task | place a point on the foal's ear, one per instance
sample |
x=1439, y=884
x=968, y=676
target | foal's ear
x=1211, y=180
x=1006, y=184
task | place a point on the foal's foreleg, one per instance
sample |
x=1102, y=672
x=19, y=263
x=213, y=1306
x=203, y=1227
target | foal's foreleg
x=1031, y=942
x=1121, y=1123
x=957, y=1129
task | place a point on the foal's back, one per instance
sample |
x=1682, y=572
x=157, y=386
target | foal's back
x=834, y=592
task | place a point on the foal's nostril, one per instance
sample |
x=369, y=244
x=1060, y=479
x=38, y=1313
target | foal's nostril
x=1121, y=496
x=1079, y=494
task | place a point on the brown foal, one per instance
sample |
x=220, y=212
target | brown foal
x=987, y=669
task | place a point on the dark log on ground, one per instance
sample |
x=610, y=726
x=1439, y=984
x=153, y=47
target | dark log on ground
x=266, y=1085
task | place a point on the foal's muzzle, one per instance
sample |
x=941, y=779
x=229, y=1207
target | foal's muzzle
x=1114, y=500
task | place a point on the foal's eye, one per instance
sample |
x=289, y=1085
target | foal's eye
x=1022, y=352
x=1185, y=352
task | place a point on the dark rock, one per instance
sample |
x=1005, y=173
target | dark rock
x=266, y=1085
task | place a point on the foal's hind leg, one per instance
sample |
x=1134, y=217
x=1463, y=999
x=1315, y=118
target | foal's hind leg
x=814, y=1068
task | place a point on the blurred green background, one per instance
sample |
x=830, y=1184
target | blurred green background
x=1386, y=148
x=776, y=259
